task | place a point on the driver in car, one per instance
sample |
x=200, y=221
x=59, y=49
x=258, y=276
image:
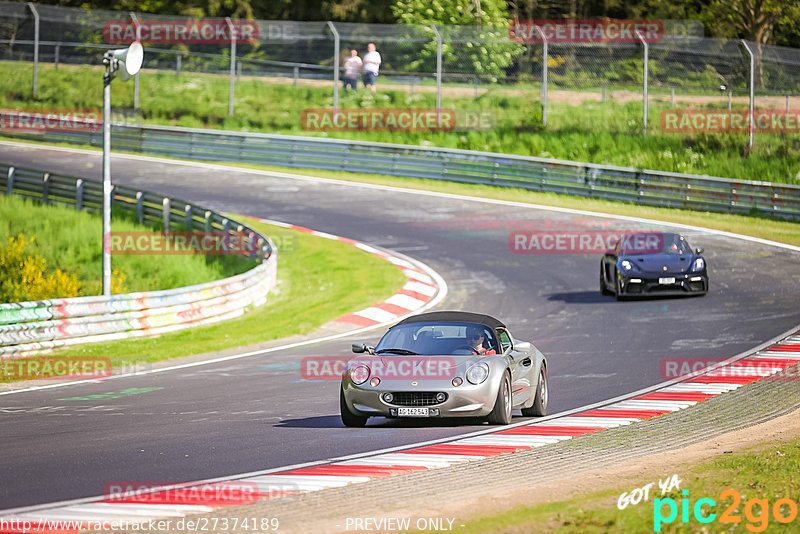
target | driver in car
x=475, y=339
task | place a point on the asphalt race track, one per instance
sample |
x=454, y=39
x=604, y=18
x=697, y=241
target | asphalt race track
x=256, y=413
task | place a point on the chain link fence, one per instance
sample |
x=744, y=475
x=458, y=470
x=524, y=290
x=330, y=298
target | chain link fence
x=683, y=68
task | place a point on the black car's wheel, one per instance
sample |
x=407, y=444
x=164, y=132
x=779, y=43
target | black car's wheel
x=348, y=418
x=501, y=413
x=539, y=407
x=603, y=288
x=618, y=286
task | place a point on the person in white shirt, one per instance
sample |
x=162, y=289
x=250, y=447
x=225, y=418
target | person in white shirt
x=372, y=62
x=352, y=68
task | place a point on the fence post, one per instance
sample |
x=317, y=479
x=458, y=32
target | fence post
x=296, y=74
x=672, y=96
x=335, y=68
x=10, y=184
x=35, y=47
x=79, y=194
x=56, y=53
x=604, y=91
x=545, y=67
x=239, y=70
x=730, y=99
x=438, y=69
x=178, y=60
x=646, y=64
x=752, y=89
x=233, y=65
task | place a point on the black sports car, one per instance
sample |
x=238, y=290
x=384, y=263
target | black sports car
x=653, y=263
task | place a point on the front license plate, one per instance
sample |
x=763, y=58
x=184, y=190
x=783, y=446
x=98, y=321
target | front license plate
x=670, y=280
x=412, y=412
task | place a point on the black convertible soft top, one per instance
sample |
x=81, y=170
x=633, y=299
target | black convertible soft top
x=454, y=317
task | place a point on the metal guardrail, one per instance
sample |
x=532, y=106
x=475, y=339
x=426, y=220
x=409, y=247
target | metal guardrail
x=27, y=327
x=645, y=187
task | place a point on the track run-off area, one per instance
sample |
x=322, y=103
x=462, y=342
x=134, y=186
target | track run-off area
x=256, y=413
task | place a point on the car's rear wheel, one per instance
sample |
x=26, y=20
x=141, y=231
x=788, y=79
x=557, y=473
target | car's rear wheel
x=348, y=417
x=603, y=287
x=539, y=407
x=501, y=413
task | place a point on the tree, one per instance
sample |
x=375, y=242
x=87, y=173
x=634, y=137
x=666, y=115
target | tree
x=754, y=20
x=480, y=46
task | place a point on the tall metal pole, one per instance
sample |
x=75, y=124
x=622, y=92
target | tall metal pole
x=136, y=76
x=438, y=68
x=646, y=64
x=233, y=65
x=752, y=89
x=335, y=68
x=107, y=176
x=545, y=67
x=35, y=47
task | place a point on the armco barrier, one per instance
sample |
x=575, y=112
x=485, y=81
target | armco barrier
x=31, y=326
x=647, y=187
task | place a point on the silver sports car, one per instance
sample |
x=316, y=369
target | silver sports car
x=445, y=364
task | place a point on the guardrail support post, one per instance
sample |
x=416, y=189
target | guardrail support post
x=32, y=7
x=140, y=207
x=189, y=217
x=208, y=224
x=46, y=188
x=79, y=194
x=165, y=213
x=178, y=60
x=56, y=53
x=10, y=185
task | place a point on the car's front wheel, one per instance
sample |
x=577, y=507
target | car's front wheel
x=539, y=407
x=603, y=287
x=348, y=418
x=501, y=413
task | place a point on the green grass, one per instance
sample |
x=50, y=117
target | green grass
x=318, y=280
x=767, y=471
x=605, y=133
x=71, y=240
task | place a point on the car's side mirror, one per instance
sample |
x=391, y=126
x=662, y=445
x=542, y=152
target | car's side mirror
x=360, y=348
x=522, y=346
x=699, y=250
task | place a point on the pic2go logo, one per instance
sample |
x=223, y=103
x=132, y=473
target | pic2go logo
x=783, y=511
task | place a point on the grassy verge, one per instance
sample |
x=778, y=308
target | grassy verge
x=760, y=476
x=318, y=281
x=606, y=133
x=776, y=230
x=71, y=240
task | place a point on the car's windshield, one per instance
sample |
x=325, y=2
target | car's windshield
x=433, y=338
x=654, y=243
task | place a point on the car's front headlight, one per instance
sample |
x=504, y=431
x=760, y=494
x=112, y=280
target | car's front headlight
x=359, y=374
x=625, y=264
x=477, y=373
x=699, y=264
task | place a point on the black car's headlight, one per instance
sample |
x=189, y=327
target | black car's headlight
x=477, y=373
x=699, y=264
x=359, y=374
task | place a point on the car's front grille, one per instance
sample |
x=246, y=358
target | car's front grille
x=415, y=398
